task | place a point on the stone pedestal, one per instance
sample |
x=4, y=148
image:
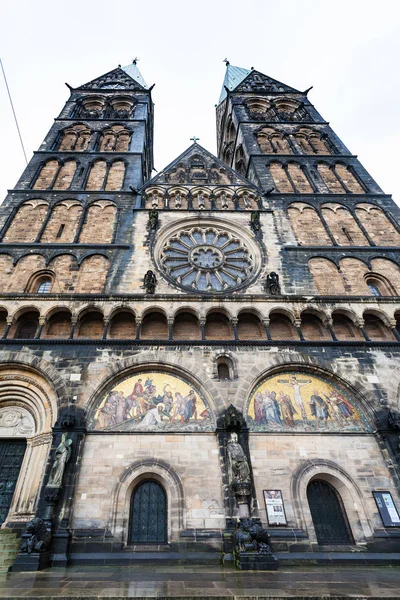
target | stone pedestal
x=31, y=562
x=254, y=561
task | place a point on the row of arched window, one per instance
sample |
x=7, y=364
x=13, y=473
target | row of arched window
x=334, y=224
x=91, y=324
x=355, y=278
x=79, y=138
x=337, y=178
x=66, y=222
x=304, y=141
x=201, y=198
x=56, y=174
x=96, y=107
x=62, y=275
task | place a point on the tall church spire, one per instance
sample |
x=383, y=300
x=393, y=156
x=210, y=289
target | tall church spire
x=233, y=76
x=133, y=71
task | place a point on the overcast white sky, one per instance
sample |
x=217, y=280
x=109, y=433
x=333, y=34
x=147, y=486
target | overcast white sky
x=349, y=50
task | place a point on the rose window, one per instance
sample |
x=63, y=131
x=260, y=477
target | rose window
x=207, y=260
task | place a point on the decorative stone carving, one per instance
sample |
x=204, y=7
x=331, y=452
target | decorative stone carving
x=273, y=287
x=153, y=220
x=36, y=537
x=150, y=282
x=255, y=221
x=67, y=421
x=16, y=422
x=233, y=419
x=63, y=454
x=250, y=536
x=394, y=420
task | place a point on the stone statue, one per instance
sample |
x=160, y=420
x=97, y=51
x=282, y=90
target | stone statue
x=153, y=219
x=250, y=536
x=238, y=467
x=36, y=537
x=273, y=286
x=63, y=454
x=150, y=282
x=255, y=221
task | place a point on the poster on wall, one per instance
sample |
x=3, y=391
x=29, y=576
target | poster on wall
x=274, y=506
x=387, y=509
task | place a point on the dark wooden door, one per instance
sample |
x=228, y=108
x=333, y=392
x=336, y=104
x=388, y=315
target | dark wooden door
x=148, y=514
x=328, y=514
x=11, y=457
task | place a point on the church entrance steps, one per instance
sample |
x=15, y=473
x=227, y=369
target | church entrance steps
x=132, y=558
x=9, y=543
x=195, y=582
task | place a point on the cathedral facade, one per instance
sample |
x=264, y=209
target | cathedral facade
x=215, y=342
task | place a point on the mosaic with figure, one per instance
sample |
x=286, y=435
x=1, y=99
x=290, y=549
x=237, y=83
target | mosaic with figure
x=153, y=401
x=302, y=402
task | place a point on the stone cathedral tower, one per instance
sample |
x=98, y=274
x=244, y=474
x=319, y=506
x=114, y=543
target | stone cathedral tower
x=218, y=341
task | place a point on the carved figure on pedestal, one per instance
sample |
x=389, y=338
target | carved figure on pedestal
x=273, y=286
x=238, y=467
x=150, y=282
x=63, y=454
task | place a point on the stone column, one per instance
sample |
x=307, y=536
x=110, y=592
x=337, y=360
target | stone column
x=26, y=495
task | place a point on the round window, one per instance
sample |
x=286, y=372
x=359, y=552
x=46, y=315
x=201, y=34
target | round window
x=207, y=259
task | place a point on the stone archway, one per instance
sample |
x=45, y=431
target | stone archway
x=148, y=469
x=350, y=494
x=28, y=410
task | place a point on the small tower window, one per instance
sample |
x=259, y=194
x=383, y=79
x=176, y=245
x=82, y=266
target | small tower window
x=44, y=286
x=375, y=291
x=60, y=231
x=223, y=371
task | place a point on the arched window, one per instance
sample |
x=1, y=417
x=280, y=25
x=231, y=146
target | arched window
x=373, y=288
x=148, y=523
x=44, y=285
x=223, y=370
x=379, y=285
x=75, y=138
x=328, y=514
x=27, y=326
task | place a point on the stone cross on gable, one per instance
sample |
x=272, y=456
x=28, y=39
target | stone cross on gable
x=194, y=139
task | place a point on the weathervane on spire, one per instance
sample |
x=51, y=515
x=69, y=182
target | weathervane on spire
x=194, y=139
x=226, y=61
x=135, y=60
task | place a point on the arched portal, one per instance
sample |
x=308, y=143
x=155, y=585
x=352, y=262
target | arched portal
x=328, y=514
x=28, y=410
x=148, y=522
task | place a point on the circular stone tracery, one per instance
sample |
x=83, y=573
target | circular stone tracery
x=207, y=259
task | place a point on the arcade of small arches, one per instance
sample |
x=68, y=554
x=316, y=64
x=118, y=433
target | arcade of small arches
x=290, y=177
x=201, y=198
x=56, y=174
x=154, y=323
x=65, y=222
x=61, y=274
x=279, y=109
x=80, y=138
x=332, y=223
x=102, y=107
x=303, y=140
x=354, y=277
